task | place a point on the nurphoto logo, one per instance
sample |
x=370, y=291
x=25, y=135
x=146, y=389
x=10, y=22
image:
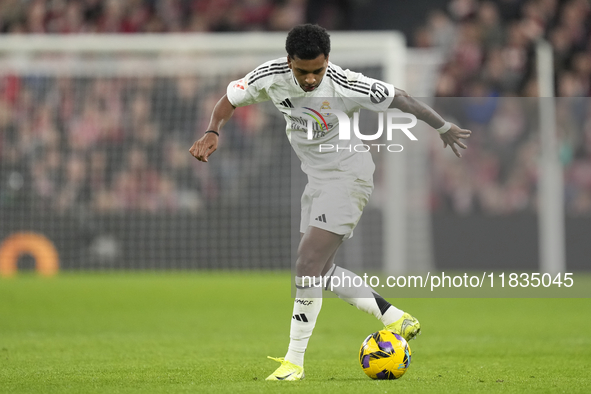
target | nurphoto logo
x=317, y=126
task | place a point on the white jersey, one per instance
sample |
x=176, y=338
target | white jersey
x=340, y=89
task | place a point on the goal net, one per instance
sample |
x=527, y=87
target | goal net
x=95, y=133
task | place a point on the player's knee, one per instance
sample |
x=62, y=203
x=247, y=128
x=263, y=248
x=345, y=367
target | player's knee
x=309, y=263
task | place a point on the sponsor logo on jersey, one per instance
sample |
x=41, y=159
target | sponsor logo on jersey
x=314, y=122
x=317, y=116
x=301, y=124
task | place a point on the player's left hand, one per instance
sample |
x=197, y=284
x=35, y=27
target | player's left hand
x=452, y=138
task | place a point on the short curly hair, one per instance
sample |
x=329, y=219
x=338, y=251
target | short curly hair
x=307, y=42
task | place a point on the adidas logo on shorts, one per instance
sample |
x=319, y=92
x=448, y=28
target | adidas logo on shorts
x=321, y=218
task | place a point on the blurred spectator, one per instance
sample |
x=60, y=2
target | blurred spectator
x=489, y=22
x=136, y=185
x=180, y=171
x=74, y=190
x=287, y=14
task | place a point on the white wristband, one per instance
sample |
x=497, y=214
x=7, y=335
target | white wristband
x=443, y=129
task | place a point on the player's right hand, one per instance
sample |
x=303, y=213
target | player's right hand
x=204, y=147
x=452, y=138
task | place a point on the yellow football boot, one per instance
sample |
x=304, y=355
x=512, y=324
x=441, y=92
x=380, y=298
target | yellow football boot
x=407, y=327
x=287, y=371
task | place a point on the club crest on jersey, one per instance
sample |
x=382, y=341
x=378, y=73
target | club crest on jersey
x=325, y=105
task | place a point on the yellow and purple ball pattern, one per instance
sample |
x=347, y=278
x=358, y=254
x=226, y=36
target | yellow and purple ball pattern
x=384, y=355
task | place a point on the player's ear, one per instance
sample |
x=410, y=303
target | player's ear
x=288, y=61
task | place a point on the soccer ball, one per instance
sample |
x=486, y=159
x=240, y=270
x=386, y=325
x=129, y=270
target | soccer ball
x=384, y=355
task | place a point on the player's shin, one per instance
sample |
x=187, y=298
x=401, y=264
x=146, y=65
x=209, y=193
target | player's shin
x=306, y=308
x=351, y=288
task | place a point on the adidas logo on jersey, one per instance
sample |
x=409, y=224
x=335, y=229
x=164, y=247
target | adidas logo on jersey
x=287, y=103
x=301, y=317
x=321, y=218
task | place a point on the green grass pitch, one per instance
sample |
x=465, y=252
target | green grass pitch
x=204, y=332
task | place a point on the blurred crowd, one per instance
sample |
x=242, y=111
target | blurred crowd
x=148, y=16
x=110, y=144
x=113, y=144
x=499, y=172
x=489, y=47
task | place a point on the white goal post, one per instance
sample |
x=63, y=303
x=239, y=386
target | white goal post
x=551, y=226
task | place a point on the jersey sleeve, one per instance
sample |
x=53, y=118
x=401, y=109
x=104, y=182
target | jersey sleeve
x=368, y=93
x=242, y=93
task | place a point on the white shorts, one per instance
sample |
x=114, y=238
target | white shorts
x=334, y=206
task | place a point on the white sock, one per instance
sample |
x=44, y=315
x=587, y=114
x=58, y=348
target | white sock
x=306, y=308
x=342, y=282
